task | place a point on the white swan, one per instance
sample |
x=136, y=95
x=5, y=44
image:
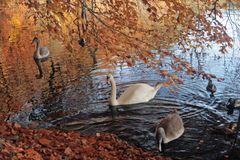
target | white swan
x=169, y=128
x=40, y=53
x=135, y=93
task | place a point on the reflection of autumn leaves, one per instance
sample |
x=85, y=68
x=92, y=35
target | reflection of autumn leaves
x=121, y=28
x=17, y=65
x=21, y=143
x=126, y=31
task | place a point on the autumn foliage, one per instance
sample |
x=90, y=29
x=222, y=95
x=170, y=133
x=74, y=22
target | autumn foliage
x=22, y=144
x=128, y=30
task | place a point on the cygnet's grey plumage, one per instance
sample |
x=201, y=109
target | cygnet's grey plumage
x=169, y=128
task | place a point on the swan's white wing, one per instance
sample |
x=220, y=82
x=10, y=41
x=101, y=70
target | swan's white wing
x=137, y=93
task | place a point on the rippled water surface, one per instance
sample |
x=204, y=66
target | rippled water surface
x=73, y=95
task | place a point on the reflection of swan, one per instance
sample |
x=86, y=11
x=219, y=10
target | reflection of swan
x=136, y=93
x=39, y=65
x=40, y=53
x=169, y=128
x=93, y=51
x=211, y=87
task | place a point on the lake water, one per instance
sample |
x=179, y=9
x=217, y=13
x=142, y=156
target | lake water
x=73, y=95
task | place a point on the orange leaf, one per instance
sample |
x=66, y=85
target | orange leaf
x=68, y=151
x=44, y=141
x=84, y=141
x=163, y=72
x=17, y=126
x=31, y=153
x=166, y=84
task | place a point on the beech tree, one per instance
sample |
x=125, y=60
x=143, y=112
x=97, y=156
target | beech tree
x=128, y=30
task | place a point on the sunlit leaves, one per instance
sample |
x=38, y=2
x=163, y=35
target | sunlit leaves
x=126, y=30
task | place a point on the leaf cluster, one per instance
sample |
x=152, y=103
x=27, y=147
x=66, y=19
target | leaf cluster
x=24, y=143
x=127, y=30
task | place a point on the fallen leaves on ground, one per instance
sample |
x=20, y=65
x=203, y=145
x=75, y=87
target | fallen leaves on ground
x=19, y=143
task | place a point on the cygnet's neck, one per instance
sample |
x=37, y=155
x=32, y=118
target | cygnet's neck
x=161, y=133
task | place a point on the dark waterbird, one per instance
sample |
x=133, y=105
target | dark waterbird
x=234, y=104
x=211, y=87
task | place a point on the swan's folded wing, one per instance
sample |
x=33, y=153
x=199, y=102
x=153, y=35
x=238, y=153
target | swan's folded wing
x=137, y=93
x=175, y=127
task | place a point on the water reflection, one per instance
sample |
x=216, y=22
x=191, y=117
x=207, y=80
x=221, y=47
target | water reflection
x=40, y=68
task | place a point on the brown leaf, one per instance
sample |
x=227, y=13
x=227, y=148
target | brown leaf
x=68, y=151
x=44, y=141
x=13, y=131
x=3, y=129
x=220, y=79
x=163, y=72
x=17, y=125
x=31, y=153
x=166, y=84
x=84, y=141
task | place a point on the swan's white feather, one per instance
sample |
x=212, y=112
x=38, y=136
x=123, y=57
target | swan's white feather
x=137, y=93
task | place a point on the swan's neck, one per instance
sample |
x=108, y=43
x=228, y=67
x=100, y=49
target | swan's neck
x=113, y=98
x=158, y=86
x=161, y=134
